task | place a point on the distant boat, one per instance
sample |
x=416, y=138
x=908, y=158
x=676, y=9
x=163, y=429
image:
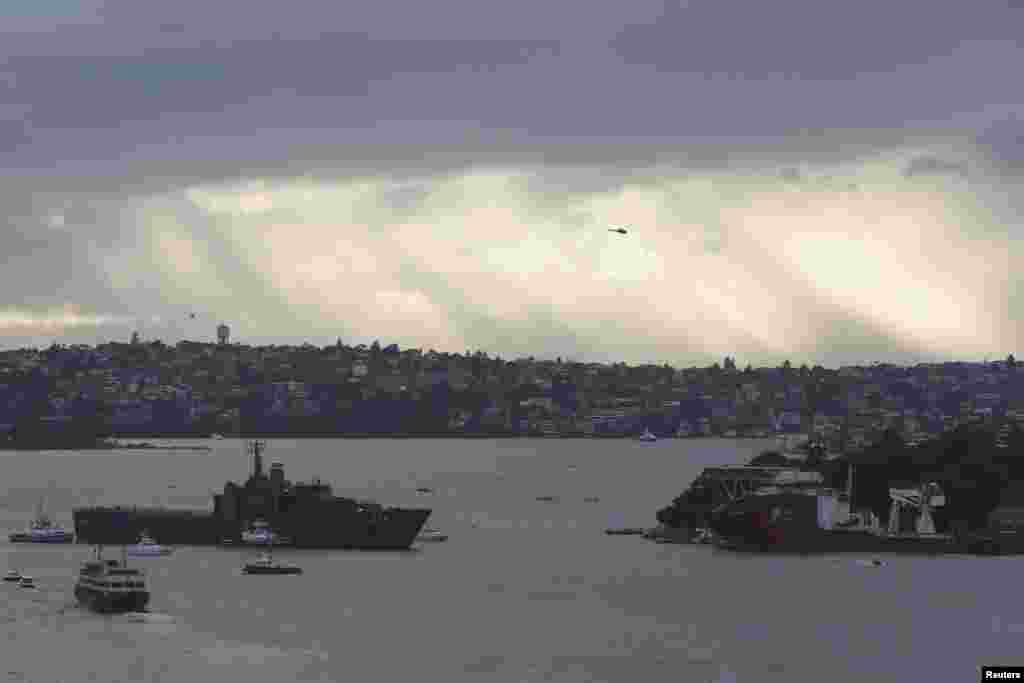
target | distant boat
x=27, y=582
x=265, y=564
x=12, y=575
x=431, y=536
x=216, y=436
x=42, y=530
x=261, y=534
x=648, y=435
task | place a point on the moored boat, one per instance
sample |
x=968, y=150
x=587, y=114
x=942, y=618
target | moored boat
x=808, y=520
x=260, y=533
x=111, y=586
x=147, y=547
x=42, y=530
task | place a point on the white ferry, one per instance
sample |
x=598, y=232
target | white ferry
x=111, y=586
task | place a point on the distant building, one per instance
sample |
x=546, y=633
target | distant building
x=223, y=334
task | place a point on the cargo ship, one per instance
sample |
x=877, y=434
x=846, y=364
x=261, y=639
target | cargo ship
x=308, y=514
x=782, y=519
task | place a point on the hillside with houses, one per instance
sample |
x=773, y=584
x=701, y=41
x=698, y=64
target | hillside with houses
x=197, y=389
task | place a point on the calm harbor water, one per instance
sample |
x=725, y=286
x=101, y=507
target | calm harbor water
x=522, y=591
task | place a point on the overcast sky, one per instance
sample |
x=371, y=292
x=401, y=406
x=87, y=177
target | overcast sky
x=828, y=182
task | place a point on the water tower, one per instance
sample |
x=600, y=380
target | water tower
x=223, y=334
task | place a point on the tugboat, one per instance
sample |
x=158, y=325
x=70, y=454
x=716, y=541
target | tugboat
x=111, y=586
x=42, y=530
x=261, y=534
x=147, y=547
x=265, y=564
x=12, y=575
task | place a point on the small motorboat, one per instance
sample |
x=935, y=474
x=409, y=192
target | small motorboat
x=648, y=436
x=12, y=575
x=265, y=564
x=147, y=547
x=261, y=534
x=431, y=536
x=27, y=582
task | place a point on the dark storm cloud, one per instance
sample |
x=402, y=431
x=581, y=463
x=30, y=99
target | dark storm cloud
x=208, y=78
x=238, y=90
x=809, y=39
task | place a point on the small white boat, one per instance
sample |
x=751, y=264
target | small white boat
x=261, y=534
x=431, y=536
x=147, y=547
x=216, y=436
x=12, y=575
x=266, y=565
x=648, y=435
x=27, y=582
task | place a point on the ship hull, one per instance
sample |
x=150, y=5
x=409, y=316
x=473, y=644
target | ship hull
x=98, y=601
x=325, y=526
x=396, y=530
x=834, y=541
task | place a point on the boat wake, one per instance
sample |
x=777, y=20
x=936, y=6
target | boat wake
x=147, y=617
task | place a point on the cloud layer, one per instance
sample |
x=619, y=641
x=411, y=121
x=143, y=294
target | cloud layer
x=446, y=180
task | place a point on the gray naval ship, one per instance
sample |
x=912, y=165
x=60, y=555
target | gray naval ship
x=301, y=514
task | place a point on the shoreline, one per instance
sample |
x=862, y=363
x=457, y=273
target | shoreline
x=130, y=443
